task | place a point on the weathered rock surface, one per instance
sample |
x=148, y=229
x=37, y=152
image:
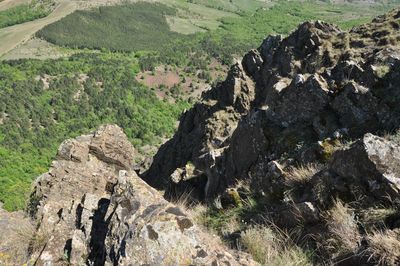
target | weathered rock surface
x=283, y=120
x=373, y=161
x=284, y=98
x=96, y=211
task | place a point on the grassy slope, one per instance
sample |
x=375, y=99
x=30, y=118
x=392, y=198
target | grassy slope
x=6, y=4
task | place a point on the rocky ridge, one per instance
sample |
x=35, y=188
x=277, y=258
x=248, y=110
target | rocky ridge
x=301, y=119
x=92, y=209
x=286, y=99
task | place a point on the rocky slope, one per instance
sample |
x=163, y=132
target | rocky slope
x=294, y=118
x=308, y=121
x=92, y=209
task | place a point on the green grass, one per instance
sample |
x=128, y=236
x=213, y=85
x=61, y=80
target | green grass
x=24, y=13
x=142, y=26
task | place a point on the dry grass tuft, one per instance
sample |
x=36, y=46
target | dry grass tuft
x=23, y=240
x=384, y=247
x=342, y=228
x=301, y=175
x=270, y=248
x=374, y=218
x=394, y=136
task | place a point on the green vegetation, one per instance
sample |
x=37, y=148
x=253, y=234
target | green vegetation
x=44, y=102
x=120, y=28
x=144, y=27
x=26, y=12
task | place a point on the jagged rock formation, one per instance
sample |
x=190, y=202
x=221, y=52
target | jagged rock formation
x=283, y=99
x=299, y=118
x=92, y=209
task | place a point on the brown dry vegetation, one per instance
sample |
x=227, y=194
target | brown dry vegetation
x=343, y=234
x=384, y=247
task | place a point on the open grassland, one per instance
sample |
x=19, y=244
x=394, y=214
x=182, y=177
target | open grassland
x=38, y=49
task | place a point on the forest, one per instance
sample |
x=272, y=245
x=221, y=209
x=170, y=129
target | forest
x=45, y=102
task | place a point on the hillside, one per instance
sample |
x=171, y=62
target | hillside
x=290, y=131
x=71, y=90
x=293, y=159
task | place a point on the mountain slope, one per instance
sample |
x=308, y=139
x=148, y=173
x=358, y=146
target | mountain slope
x=291, y=91
x=293, y=119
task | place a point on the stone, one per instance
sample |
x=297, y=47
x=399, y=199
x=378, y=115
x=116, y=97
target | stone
x=373, y=161
x=97, y=211
x=110, y=144
x=157, y=224
x=267, y=179
x=252, y=62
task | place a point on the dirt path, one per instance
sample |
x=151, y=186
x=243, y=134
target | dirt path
x=10, y=37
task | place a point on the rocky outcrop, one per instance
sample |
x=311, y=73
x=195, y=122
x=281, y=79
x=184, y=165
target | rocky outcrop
x=94, y=210
x=301, y=120
x=16, y=230
x=373, y=162
x=286, y=99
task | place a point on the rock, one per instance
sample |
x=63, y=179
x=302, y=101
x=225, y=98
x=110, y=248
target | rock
x=73, y=150
x=310, y=100
x=110, y=144
x=252, y=62
x=157, y=224
x=16, y=231
x=95, y=210
x=267, y=179
x=184, y=174
x=359, y=109
x=284, y=99
x=269, y=46
x=373, y=161
x=299, y=213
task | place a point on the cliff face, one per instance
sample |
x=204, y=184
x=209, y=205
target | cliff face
x=92, y=209
x=283, y=102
